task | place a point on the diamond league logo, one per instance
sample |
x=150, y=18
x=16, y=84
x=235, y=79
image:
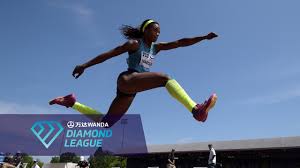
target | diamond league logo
x=54, y=129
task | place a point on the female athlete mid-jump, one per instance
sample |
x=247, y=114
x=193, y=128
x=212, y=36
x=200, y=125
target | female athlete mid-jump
x=141, y=48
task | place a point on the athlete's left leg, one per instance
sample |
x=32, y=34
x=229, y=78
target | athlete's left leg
x=138, y=82
x=118, y=108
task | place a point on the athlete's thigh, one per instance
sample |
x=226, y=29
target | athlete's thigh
x=137, y=82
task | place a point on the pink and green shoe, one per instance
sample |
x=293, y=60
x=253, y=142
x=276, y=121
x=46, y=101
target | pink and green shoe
x=200, y=111
x=67, y=101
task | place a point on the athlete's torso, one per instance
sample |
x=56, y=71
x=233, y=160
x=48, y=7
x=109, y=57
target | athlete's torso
x=142, y=59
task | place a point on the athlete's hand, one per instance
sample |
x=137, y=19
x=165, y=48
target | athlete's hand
x=210, y=36
x=78, y=70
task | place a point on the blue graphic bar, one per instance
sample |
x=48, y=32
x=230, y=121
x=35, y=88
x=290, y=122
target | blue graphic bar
x=47, y=135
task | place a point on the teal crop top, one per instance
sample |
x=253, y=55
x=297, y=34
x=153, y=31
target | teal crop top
x=142, y=59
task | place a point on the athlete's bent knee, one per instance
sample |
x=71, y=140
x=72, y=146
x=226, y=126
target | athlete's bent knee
x=164, y=78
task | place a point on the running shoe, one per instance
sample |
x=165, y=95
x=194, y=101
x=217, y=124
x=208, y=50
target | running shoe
x=200, y=111
x=67, y=101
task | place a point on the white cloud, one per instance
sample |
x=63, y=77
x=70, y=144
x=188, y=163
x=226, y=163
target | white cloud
x=279, y=69
x=15, y=108
x=184, y=140
x=83, y=15
x=77, y=8
x=276, y=97
x=81, y=10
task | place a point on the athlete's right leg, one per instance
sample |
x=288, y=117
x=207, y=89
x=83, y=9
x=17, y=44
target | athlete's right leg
x=70, y=101
x=117, y=109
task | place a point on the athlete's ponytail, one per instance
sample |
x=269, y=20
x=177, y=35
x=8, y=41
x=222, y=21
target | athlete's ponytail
x=130, y=32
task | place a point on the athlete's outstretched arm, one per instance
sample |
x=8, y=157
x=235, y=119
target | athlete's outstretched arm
x=184, y=42
x=129, y=46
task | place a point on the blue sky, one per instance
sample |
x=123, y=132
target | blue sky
x=253, y=65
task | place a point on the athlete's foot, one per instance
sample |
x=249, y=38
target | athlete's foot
x=200, y=111
x=67, y=101
x=110, y=120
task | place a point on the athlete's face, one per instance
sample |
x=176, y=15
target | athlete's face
x=152, y=32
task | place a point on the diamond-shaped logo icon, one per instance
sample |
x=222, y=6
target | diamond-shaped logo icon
x=54, y=129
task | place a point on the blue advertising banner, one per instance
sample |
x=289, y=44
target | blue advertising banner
x=46, y=135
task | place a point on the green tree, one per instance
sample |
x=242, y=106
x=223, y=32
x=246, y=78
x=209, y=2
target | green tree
x=55, y=159
x=65, y=157
x=69, y=157
x=107, y=160
x=29, y=160
x=41, y=164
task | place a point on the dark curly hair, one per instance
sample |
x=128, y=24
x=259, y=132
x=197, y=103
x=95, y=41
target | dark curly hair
x=130, y=32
